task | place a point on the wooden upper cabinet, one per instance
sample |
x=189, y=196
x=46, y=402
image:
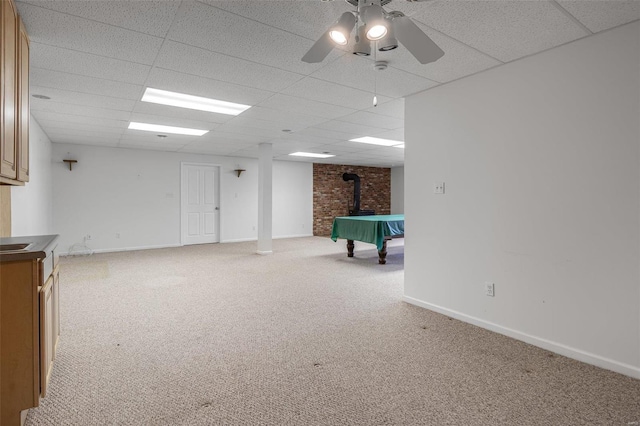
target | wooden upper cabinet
x=23, y=104
x=8, y=54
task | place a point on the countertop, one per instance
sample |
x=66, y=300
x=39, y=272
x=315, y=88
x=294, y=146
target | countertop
x=41, y=247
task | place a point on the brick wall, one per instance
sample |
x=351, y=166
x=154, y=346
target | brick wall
x=333, y=197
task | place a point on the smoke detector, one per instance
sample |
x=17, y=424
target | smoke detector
x=380, y=65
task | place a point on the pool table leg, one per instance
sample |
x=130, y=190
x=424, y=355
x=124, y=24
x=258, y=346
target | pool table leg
x=350, y=246
x=382, y=254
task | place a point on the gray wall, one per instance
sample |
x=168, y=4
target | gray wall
x=541, y=163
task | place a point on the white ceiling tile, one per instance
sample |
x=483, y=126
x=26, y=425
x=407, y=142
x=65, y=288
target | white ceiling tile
x=331, y=93
x=149, y=17
x=358, y=73
x=81, y=63
x=201, y=86
x=77, y=98
x=79, y=140
x=211, y=150
x=149, y=108
x=43, y=116
x=459, y=60
x=250, y=128
x=309, y=19
x=237, y=139
x=325, y=134
x=305, y=106
x=77, y=110
x=304, y=137
x=602, y=15
x=217, y=66
x=83, y=84
x=352, y=130
x=506, y=30
x=61, y=126
x=44, y=26
x=151, y=147
x=113, y=134
x=394, y=108
x=275, y=127
x=373, y=120
x=217, y=30
x=395, y=135
x=289, y=120
x=134, y=136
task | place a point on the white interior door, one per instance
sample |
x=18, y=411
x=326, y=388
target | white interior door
x=200, y=206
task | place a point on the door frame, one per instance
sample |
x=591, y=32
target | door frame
x=183, y=196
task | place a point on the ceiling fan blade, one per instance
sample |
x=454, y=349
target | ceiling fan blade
x=416, y=41
x=324, y=45
x=319, y=50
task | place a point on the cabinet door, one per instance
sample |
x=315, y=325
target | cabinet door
x=8, y=33
x=46, y=334
x=23, y=104
x=56, y=309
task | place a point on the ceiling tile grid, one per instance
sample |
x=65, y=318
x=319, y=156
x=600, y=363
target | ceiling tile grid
x=505, y=30
x=94, y=59
x=68, y=31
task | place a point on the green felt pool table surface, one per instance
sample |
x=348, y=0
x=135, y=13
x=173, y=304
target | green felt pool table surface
x=369, y=229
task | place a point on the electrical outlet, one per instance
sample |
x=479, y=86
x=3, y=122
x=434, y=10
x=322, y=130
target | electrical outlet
x=88, y=237
x=489, y=289
x=438, y=188
x=117, y=235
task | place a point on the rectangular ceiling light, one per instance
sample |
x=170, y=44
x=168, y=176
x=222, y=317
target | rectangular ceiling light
x=376, y=141
x=311, y=154
x=181, y=100
x=399, y=146
x=166, y=129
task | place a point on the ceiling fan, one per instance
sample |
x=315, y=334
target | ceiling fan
x=374, y=24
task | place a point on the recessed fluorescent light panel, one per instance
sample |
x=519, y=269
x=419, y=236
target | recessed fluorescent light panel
x=311, y=154
x=166, y=129
x=399, y=146
x=181, y=100
x=377, y=141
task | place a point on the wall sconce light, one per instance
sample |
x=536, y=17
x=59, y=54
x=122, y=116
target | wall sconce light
x=239, y=171
x=70, y=162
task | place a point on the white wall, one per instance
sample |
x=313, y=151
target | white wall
x=397, y=190
x=541, y=163
x=31, y=205
x=292, y=199
x=136, y=193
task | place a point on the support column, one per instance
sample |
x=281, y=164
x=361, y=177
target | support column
x=265, y=198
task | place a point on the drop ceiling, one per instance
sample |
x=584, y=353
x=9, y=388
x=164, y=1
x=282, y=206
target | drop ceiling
x=95, y=58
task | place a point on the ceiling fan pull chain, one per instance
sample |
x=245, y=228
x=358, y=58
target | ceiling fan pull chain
x=375, y=75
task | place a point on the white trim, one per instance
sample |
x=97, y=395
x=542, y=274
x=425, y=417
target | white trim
x=113, y=250
x=239, y=240
x=577, y=354
x=279, y=237
x=183, y=197
x=264, y=252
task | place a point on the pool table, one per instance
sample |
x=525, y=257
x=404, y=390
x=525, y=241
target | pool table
x=375, y=229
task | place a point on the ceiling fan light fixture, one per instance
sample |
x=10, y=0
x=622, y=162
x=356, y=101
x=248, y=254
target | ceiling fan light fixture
x=338, y=37
x=374, y=19
x=389, y=41
x=339, y=32
x=376, y=32
x=362, y=46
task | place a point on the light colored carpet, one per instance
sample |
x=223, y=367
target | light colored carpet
x=217, y=335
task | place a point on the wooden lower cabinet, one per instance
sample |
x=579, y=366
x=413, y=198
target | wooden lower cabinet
x=29, y=330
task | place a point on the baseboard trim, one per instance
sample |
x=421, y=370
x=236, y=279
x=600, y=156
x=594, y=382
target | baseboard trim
x=118, y=249
x=279, y=237
x=577, y=354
